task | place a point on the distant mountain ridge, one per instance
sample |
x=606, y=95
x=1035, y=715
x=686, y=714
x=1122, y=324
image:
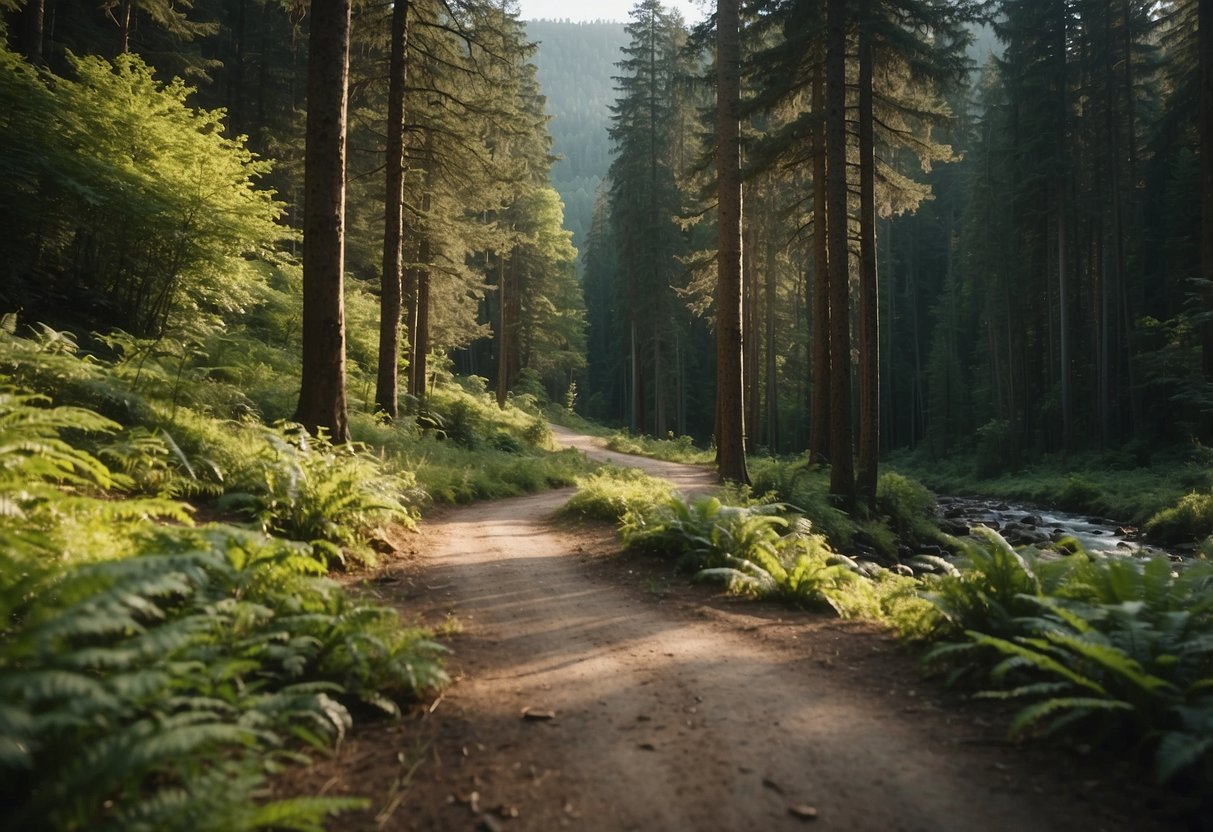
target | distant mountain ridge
x=576, y=63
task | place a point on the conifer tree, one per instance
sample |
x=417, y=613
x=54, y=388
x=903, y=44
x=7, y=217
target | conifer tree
x=644, y=203
x=391, y=299
x=730, y=437
x=322, y=394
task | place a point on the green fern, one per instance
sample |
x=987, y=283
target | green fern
x=332, y=496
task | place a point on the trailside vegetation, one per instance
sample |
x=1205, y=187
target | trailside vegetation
x=153, y=667
x=1115, y=650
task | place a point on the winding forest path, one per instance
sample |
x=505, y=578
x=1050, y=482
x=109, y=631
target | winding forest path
x=593, y=691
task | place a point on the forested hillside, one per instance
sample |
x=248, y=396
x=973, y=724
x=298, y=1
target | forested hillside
x=576, y=68
x=1024, y=269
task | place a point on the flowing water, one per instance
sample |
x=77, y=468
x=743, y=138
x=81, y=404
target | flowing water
x=1021, y=525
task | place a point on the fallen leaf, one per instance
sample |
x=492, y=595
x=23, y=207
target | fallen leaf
x=537, y=715
x=802, y=811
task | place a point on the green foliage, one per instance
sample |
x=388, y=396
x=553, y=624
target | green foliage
x=994, y=453
x=331, y=496
x=904, y=507
x=673, y=449
x=612, y=493
x=746, y=547
x=806, y=487
x=1131, y=484
x=986, y=586
x=123, y=204
x=700, y=533
x=1120, y=648
x=149, y=679
x=908, y=507
x=463, y=447
x=802, y=570
x=1189, y=519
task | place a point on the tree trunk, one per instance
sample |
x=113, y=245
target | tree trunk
x=235, y=79
x=409, y=295
x=421, y=334
x=126, y=10
x=751, y=337
x=869, y=300
x=423, y=311
x=842, y=484
x=30, y=31
x=1205, y=35
x=391, y=296
x=730, y=437
x=633, y=383
x=819, y=430
x=772, y=389
x=322, y=395
x=503, y=334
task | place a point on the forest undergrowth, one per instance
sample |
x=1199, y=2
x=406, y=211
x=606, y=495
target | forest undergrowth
x=1115, y=653
x=156, y=667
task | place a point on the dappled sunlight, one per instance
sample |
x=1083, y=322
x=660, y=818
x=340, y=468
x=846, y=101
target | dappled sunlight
x=699, y=724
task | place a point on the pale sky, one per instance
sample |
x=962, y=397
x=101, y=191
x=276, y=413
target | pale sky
x=692, y=10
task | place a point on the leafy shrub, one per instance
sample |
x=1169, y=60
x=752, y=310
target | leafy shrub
x=1078, y=494
x=1191, y=519
x=909, y=507
x=806, y=487
x=673, y=449
x=701, y=532
x=994, y=448
x=986, y=586
x=611, y=493
x=124, y=680
x=130, y=180
x=800, y=569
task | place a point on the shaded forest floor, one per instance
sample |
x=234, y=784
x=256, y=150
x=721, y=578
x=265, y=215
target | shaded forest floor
x=594, y=690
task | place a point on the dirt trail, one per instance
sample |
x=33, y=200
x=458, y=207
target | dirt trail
x=671, y=708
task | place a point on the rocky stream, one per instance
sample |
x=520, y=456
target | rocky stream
x=1024, y=525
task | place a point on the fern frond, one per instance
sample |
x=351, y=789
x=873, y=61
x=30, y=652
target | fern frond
x=1067, y=709
x=1039, y=660
x=1112, y=660
x=303, y=814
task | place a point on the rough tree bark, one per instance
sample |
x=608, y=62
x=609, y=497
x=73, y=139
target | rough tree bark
x=387, y=384
x=1205, y=25
x=869, y=298
x=322, y=394
x=819, y=430
x=730, y=437
x=29, y=31
x=842, y=483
